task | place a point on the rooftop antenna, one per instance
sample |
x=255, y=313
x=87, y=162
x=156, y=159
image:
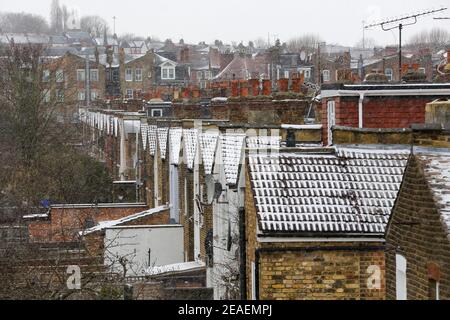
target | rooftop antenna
x=385, y=26
x=442, y=18
x=114, y=23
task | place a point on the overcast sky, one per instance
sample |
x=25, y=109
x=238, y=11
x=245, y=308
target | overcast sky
x=336, y=21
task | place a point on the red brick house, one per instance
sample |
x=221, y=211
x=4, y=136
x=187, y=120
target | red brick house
x=376, y=105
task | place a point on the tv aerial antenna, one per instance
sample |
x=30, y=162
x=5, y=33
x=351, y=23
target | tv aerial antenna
x=400, y=23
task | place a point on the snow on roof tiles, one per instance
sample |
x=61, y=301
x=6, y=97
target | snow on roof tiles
x=108, y=224
x=175, y=135
x=352, y=192
x=208, y=146
x=162, y=141
x=232, y=147
x=144, y=135
x=264, y=142
x=152, y=139
x=437, y=172
x=190, y=139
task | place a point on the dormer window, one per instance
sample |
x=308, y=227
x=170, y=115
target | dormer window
x=168, y=72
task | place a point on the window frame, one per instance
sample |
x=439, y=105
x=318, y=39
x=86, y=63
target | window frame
x=127, y=95
x=129, y=75
x=81, y=75
x=94, y=72
x=389, y=75
x=140, y=79
x=59, y=76
x=328, y=73
x=46, y=75
x=157, y=110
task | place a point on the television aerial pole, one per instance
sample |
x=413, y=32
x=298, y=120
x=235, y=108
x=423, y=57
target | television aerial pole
x=387, y=25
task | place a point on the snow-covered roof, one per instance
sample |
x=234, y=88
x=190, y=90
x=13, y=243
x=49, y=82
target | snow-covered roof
x=190, y=139
x=152, y=139
x=436, y=168
x=350, y=191
x=175, y=135
x=108, y=224
x=175, y=268
x=264, y=142
x=232, y=148
x=144, y=135
x=162, y=141
x=208, y=147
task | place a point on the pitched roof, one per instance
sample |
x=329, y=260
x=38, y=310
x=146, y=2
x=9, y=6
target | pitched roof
x=175, y=145
x=347, y=192
x=436, y=168
x=162, y=141
x=190, y=138
x=232, y=147
x=144, y=135
x=208, y=147
x=152, y=139
x=264, y=142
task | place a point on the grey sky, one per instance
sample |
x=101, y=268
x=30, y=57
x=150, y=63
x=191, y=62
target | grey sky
x=336, y=21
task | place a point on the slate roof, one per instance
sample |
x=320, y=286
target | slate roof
x=152, y=139
x=190, y=138
x=232, y=145
x=349, y=192
x=437, y=172
x=175, y=145
x=144, y=135
x=162, y=141
x=208, y=147
x=264, y=142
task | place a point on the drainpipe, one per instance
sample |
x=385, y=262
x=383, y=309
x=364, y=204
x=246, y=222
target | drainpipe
x=243, y=256
x=361, y=110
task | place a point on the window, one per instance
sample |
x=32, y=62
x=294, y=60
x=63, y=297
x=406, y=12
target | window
x=81, y=75
x=199, y=75
x=168, y=73
x=60, y=95
x=208, y=75
x=128, y=75
x=138, y=75
x=422, y=70
x=306, y=72
x=326, y=75
x=286, y=74
x=81, y=95
x=46, y=76
x=389, y=74
x=94, y=75
x=94, y=95
x=157, y=113
x=47, y=96
x=400, y=276
x=202, y=84
x=59, y=75
x=129, y=94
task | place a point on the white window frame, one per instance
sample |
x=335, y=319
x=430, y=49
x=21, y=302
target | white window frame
x=400, y=277
x=158, y=110
x=128, y=75
x=47, y=95
x=59, y=76
x=208, y=75
x=127, y=93
x=93, y=75
x=81, y=75
x=138, y=75
x=199, y=75
x=94, y=95
x=422, y=70
x=46, y=75
x=286, y=74
x=306, y=72
x=326, y=75
x=82, y=95
x=168, y=72
x=389, y=73
x=331, y=119
x=60, y=95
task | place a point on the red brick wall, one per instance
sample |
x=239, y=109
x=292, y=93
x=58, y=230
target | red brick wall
x=65, y=223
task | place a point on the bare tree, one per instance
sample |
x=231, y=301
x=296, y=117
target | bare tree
x=260, y=43
x=56, y=18
x=23, y=23
x=436, y=38
x=95, y=25
x=307, y=43
x=367, y=43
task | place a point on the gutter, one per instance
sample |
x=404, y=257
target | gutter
x=259, y=251
x=360, y=110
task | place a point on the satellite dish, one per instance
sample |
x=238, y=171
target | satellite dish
x=303, y=55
